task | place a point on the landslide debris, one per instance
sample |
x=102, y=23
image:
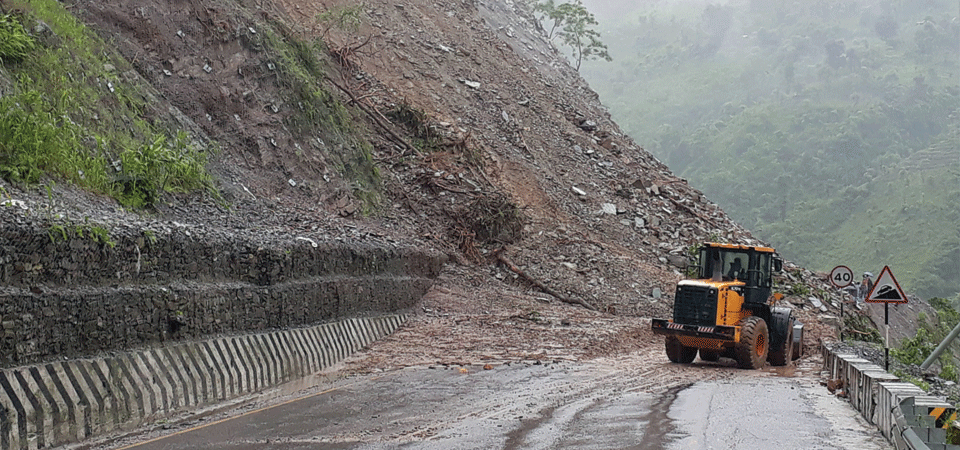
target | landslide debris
x=477, y=138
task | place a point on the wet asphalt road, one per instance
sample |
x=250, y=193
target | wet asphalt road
x=555, y=406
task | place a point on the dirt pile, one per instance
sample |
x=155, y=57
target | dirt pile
x=488, y=146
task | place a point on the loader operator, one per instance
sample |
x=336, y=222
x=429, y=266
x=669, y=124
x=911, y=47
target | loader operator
x=736, y=269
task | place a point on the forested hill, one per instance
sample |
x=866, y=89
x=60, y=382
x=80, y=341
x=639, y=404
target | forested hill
x=830, y=128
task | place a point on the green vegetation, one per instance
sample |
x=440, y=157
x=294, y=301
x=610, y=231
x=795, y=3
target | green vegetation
x=914, y=350
x=931, y=331
x=859, y=327
x=301, y=73
x=575, y=27
x=830, y=129
x=348, y=18
x=15, y=43
x=71, y=115
x=98, y=234
x=953, y=433
x=912, y=379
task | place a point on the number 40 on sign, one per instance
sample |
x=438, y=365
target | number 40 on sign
x=841, y=276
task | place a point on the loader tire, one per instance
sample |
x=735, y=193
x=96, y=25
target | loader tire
x=783, y=354
x=754, y=343
x=679, y=353
x=709, y=355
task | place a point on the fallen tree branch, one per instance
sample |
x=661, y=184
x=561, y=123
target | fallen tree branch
x=376, y=119
x=513, y=268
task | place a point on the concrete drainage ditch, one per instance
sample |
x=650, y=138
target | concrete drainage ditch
x=57, y=403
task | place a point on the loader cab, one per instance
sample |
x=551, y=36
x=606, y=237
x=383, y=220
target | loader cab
x=753, y=266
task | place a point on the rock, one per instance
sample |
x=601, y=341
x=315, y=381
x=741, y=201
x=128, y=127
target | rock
x=833, y=385
x=830, y=321
x=608, y=208
x=817, y=303
x=677, y=261
x=14, y=203
x=638, y=222
x=578, y=191
x=588, y=125
x=657, y=293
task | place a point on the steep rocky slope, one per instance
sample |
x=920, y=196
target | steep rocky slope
x=486, y=144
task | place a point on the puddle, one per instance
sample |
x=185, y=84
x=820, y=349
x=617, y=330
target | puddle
x=660, y=429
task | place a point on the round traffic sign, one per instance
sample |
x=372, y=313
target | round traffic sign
x=841, y=276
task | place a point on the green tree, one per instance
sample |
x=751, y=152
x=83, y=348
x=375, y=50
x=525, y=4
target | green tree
x=574, y=25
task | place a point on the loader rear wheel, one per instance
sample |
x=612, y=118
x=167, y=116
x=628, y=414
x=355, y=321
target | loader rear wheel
x=709, y=355
x=754, y=343
x=679, y=353
x=783, y=354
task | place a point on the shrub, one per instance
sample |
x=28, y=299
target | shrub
x=914, y=350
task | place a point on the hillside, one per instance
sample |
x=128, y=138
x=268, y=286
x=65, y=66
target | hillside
x=828, y=129
x=455, y=128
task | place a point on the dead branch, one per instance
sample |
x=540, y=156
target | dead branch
x=513, y=268
x=361, y=45
x=373, y=116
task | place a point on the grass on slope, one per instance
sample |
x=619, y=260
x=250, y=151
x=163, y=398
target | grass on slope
x=76, y=114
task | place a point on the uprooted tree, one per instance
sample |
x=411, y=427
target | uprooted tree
x=573, y=24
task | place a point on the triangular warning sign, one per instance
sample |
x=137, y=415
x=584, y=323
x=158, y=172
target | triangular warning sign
x=886, y=290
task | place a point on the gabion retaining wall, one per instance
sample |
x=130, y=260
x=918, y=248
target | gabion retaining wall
x=77, y=290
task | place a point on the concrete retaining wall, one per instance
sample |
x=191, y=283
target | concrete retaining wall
x=47, y=405
x=904, y=413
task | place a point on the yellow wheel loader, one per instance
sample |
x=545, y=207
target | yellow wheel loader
x=727, y=311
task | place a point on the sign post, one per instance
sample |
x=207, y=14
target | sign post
x=841, y=277
x=886, y=291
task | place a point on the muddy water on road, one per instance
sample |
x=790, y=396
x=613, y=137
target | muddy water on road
x=626, y=403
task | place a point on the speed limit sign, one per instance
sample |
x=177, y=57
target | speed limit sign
x=841, y=276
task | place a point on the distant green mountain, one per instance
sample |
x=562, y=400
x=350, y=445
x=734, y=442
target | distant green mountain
x=830, y=128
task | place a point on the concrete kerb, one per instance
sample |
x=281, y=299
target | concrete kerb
x=904, y=413
x=66, y=402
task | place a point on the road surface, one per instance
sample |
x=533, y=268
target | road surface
x=603, y=404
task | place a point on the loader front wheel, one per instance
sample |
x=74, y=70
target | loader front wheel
x=754, y=343
x=679, y=353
